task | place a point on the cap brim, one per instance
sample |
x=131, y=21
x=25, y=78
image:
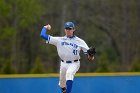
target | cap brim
x=69, y=27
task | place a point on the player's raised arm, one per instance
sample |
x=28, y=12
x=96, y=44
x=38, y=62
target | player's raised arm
x=43, y=33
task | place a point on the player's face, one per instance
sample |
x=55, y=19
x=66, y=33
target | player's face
x=69, y=31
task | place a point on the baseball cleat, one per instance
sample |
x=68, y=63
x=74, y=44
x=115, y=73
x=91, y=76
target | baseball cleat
x=64, y=90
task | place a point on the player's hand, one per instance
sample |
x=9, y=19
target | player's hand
x=48, y=27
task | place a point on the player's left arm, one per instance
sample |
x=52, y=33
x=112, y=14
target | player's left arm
x=90, y=52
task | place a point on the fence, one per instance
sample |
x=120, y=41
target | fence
x=83, y=83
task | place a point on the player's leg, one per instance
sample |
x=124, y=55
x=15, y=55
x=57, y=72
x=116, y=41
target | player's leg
x=72, y=69
x=62, y=77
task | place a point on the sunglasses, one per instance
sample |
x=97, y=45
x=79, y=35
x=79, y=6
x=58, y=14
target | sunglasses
x=68, y=28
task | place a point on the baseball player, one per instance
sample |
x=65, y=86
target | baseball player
x=68, y=48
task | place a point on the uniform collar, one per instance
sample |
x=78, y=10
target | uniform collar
x=70, y=37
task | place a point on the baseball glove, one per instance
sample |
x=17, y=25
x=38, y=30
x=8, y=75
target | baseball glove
x=91, y=52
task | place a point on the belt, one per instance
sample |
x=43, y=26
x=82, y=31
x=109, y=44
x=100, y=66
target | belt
x=70, y=61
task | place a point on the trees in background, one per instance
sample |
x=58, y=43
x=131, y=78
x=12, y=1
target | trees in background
x=110, y=26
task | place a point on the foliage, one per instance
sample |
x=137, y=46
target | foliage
x=135, y=67
x=103, y=64
x=111, y=27
x=38, y=67
x=8, y=68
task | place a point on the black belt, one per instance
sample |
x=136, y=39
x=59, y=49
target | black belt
x=70, y=61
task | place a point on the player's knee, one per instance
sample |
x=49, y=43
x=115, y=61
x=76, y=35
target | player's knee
x=69, y=76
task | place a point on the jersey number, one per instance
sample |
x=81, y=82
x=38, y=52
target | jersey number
x=75, y=52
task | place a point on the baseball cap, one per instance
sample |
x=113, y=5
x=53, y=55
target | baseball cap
x=69, y=25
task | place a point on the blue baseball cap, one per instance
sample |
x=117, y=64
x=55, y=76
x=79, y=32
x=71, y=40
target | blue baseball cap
x=69, y=25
